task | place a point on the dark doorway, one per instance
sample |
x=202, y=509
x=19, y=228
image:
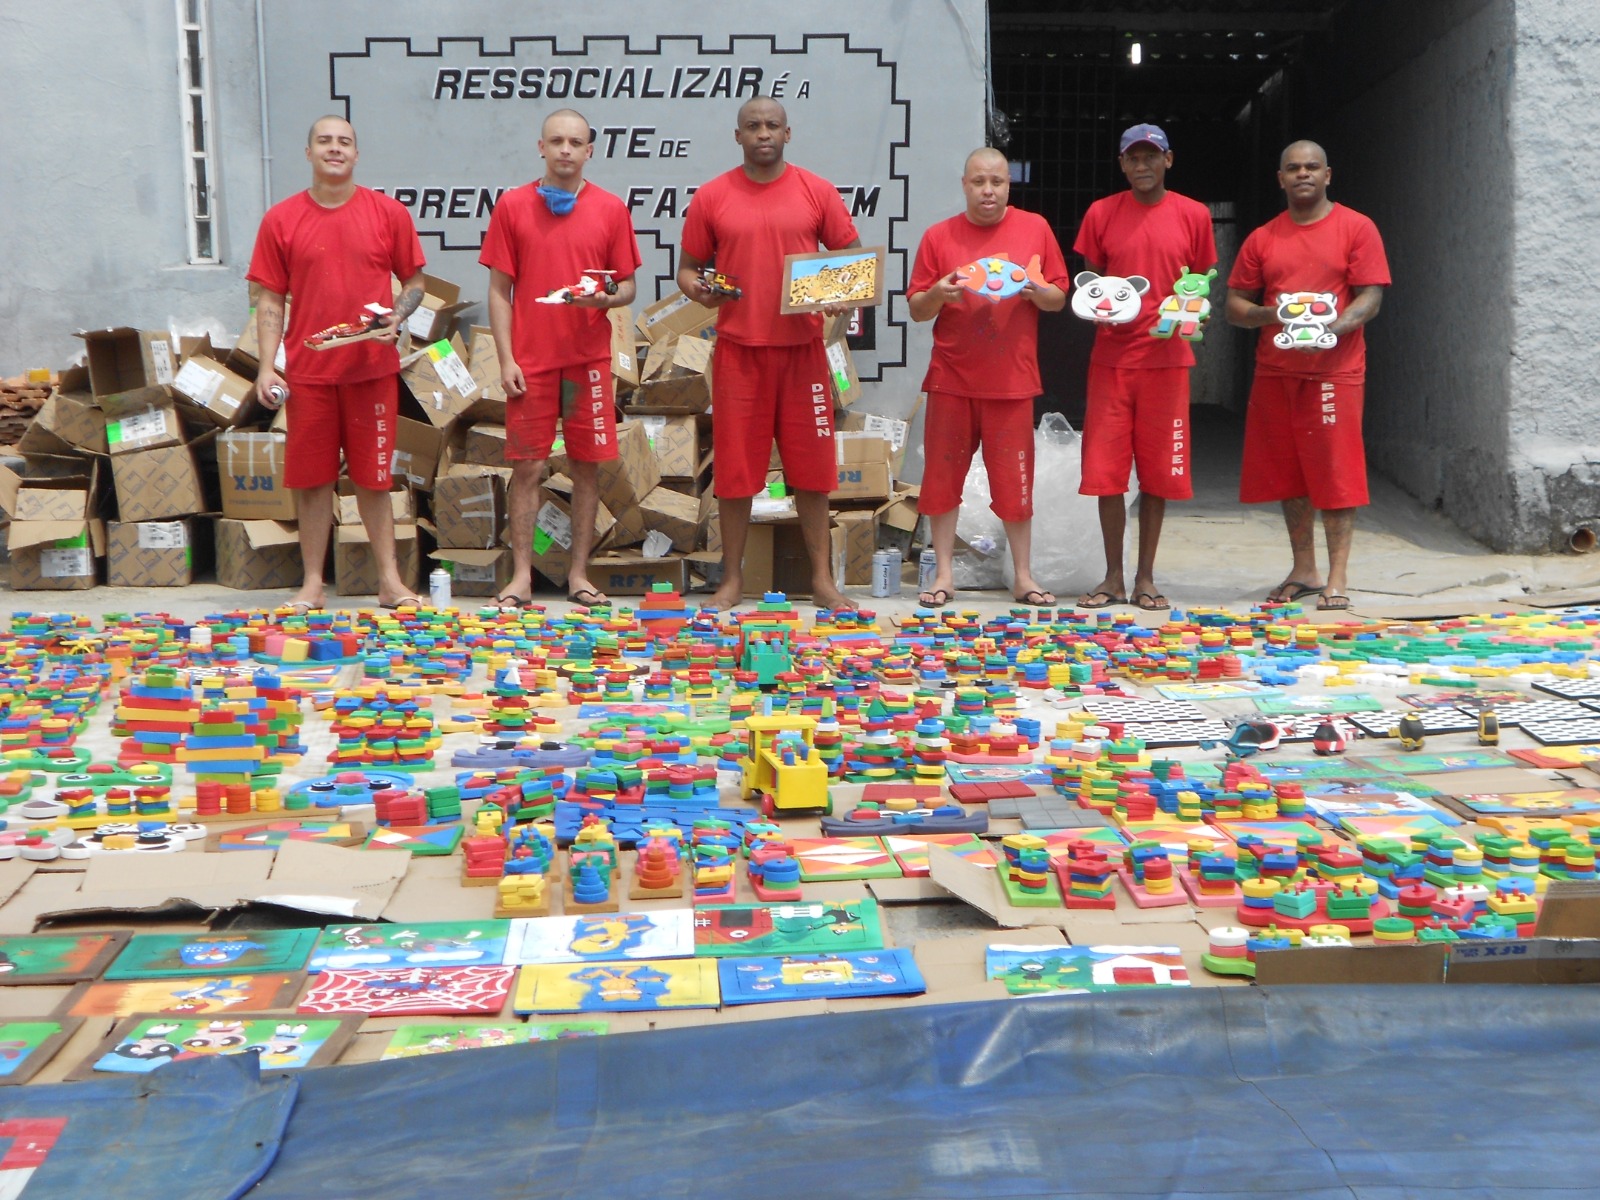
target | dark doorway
x=1220, y=76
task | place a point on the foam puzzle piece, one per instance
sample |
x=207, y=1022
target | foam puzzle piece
x=1304, y=318
x=1186, y=311
x=1108, y=299
x=987, y=793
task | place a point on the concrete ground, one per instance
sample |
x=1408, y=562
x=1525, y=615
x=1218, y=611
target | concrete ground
x=1214, y=552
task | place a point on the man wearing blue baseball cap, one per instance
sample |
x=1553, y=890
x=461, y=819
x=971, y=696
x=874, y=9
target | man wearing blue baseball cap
x=1138, y=401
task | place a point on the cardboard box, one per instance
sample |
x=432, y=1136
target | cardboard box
x=154, y=484
x=347, y=509
x=469, y=508
x=843, y=379
x=552, y=531
x=483, y=360
x=48, y=498
x=674, y=514
x=55, y=555
x=147, y=429
x=675, y=316
x=858, y=538
x=624, y=349
x=438, y=378
x=627, y=575
x=150, y=554
x=627, y=479
x=441, y=301
x=355, y=570
x=224, y=397
x=254, y=555
x=901, y=512
x=250, y=469
x=245, y=357
x=485, y=444
x=676, y=377
x=775, y=559
x=477, y=572
x=864, y=472
x=69, y=420
x=418, y=446
x=122, y=358
x=681, y=443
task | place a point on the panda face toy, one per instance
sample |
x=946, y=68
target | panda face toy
x=1108, y=299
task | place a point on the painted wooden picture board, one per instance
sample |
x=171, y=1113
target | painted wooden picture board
x=58, y=957
x=401, y=991
x=26, y=1046
x=190, y=996
x=146, y=1042
x=819, y=977
x=742, y=930
x=617, y=986
x=851, y=277
x=419, y=1041
x=237, y=952
x=418, y=944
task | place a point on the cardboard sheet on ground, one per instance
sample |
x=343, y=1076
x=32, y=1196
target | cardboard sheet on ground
x=331, y=880
x=979, y=888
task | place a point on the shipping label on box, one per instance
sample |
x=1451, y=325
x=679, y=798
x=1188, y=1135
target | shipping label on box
x=842, y=376
x=223, y=396
x=149, y=554
x=468, y=509
x=152, y=484
x=147, y=430
x=255, y=555
x=438, y=377
x=250, y=466
x=121, y=359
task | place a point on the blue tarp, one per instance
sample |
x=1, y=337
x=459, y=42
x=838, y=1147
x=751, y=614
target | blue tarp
x=1370, y=1092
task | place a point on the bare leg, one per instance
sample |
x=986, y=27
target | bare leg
x=1152, y=512
x=378, y=517
x=1019, y=536
x=942, y=528
x=813, y=510
x=1113, y=527
x=1300, y=520
x=523, y=510
x=316, y=525
x=1338, y=526
x=585, y=507
x=734, y=516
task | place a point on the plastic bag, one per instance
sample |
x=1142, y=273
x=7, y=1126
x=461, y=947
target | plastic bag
x=981, y=566
x=1068, y=554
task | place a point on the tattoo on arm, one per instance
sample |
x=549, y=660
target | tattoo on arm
x=408, y=301
x=269, y=321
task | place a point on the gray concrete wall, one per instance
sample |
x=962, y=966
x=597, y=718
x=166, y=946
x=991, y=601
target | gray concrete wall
x=1424, y=148
x=1554, y=447
x=94, y=231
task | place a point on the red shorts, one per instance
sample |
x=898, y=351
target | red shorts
x=952, y=431
x=1302, y=437
x=582, y=396
x=1137, y=418
x=358, y=418
x=763, y=394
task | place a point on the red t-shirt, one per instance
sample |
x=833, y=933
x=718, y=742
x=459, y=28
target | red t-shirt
x=332, y=263
x=1123, y=237
x=1340, y=253
x=542, y=252
x=747, y=228
x=986, y=348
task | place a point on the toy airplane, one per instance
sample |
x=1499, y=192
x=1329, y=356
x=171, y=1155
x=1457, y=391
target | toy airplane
x=997, y=278
x=355, y=331
x=719, y=284
x=593, y=281
x=1108, y=299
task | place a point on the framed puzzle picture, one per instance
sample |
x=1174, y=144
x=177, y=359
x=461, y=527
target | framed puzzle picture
x=739, y=930
x=418, y=1041
x=617, y=986
x=239, y=952
x=25, y=1046
x=444, y=991
x=189, y=996
x=57, y=958
x=815, y=281
x=599, y=937
x=1070, y=970
x=422, y=944
x=819, y=976
x=146, y=1043
x=269, y=835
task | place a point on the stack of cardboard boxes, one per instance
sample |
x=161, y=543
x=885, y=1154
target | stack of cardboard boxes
x=155, y=421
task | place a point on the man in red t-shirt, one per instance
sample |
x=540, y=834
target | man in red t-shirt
x=333, y=249
x=1138, y=402
x=1302, y=442
x=984, y=372
x=544, y=239
x=769, y=371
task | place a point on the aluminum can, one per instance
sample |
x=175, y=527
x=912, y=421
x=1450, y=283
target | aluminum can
x=886, y=572
x=276, y=395
x=439, y=588
x=927, y=568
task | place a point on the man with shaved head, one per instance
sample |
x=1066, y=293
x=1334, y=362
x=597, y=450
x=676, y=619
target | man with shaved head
x=984, y=372
x=333, y=249
x=769, y=370
x=1302, y=442
x=555, y=359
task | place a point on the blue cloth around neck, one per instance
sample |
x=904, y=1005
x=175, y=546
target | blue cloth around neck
x=559, y=202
